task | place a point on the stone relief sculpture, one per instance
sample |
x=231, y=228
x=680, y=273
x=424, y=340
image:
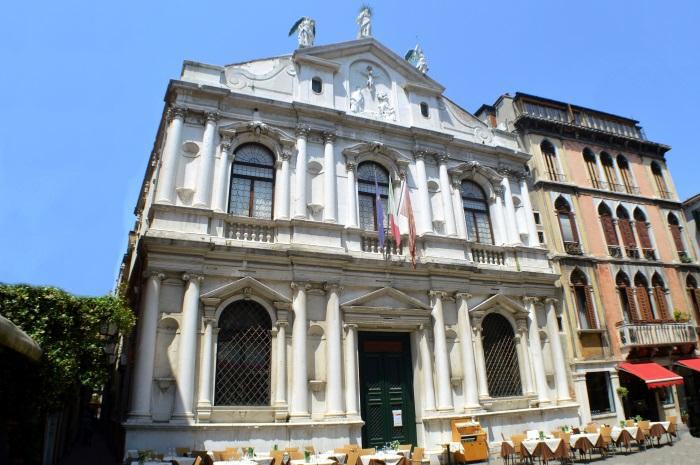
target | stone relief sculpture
x=385, y=110
x=364, y=20
x=416, y=57
x=305, y=28
x=357, y=101
x=371, y=91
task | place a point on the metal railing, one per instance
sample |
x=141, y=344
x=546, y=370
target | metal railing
x=653, y=333
x=649, y=254
x=615, y=251
x=573, y=248
x=632, y=252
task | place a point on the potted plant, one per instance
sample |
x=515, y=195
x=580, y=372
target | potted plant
x=684, y=416
x=679, y=316
x=638, y=418
x=622, y=392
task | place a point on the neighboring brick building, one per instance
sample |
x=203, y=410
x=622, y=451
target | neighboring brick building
x=606, y=207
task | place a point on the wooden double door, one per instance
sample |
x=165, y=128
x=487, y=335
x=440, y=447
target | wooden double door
x=386, y=389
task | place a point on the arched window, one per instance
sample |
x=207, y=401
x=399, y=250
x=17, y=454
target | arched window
x=642, y=228
x=316, y=85
x=609, y=170
x=501, y=357
x=591, y=167
x=660, y=181
x=629, y=307
x=370, y=177
x=252, y=182
x=627, y=233
x=243, y=351
x=567, y=225
x=550, y=161
x=606, y=220
x=626, y=174
x=583, y=296
x=424, y=110
x=643, y=301
x=476, y=213
x=660, y=297
x=675, y=227
x=691, y=285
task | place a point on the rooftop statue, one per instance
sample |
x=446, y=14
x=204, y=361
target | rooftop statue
x=364, y=20
x=305, y=28
x=416, y=57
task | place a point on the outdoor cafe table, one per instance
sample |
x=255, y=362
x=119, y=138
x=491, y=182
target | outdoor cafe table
x=547, y=448
x=389, y=459
x=593, y=439
x=313, y=461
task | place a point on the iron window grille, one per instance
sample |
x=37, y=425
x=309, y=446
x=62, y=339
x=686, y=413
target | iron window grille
x=501, y=358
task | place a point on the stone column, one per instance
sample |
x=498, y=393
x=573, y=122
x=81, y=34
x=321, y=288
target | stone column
x=283, y=202
x=500, y=235
x=442, y=359
x=427, y=368
x=170, y=157
x=352, y=195
x=301, y=204
x=424, y=212
x=614, y=384
x=300, y=383
x=187, y=352
x=582, y=397
x=330, y=204
x=511, y=222
x=536, y=351
x=533, y=240
x=221, y=187
x=281, y=370
x=464, y=326
x=458, y=208
x=351, y=403
x=142, y=385
x=205, y=368
x=205, y=179
x=480, y=362
x=526, y=367
x=334, y=358
x=450, y=227
x=557, y=350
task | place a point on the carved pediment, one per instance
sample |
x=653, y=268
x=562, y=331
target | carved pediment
x=386, y=298
x=501, y=302
x=257, y=129
x=245, y=285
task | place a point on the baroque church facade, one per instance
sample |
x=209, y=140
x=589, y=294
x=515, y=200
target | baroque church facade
x=270, y=308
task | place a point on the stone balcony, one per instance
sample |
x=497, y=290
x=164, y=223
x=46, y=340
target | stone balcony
x=655, y=334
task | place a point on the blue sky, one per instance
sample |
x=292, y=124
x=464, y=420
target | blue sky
x=82, y=85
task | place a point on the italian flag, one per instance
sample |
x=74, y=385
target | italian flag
x=396, y=234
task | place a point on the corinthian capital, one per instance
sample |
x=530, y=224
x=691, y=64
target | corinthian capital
x=333, y=287
x=551, y=301
x=300, y=286
x=530, y=300
x=192, y=277
x=463, y=295
x=302, y=131
x=211, y=117
x=328, y=137
x=176, y=112
x=437, y=294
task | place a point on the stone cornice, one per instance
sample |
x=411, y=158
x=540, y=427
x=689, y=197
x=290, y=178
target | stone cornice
x=559, y=186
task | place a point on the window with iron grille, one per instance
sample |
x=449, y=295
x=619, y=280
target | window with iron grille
x=243, y=353
x=370, y=177
x=500, y=356
x=476, y=213
x=252, y=182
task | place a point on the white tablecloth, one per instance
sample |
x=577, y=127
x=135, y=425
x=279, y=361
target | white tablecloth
x=616, y=431
x=665, y=424
x=531, y=444
x=389, y=459
x=313, y=461
x=262, y=460
x=593, y=437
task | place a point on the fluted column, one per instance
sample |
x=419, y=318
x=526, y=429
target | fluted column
x=533, y=240
x=146, y=348
x=536, y=350
x=281, y=370
x=330, y=203
x=464, y=326
x=480, y=362
x=560, y=377
x=427, y=369
x=424, y=214
x=458, y=208
x=300, y=383
x=510, y=220
x=301, y=204
x=442, y=360
x=526, y=365
x=450, y=227
x=205, y=179
x=352, y=195
x=283, y=202
x=205, y=367
x=334, y=358
x=187, y=350
x=170, y=157
x=351, y=404
x=224, y=171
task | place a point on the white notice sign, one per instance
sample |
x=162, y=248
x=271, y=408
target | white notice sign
x=398, y=421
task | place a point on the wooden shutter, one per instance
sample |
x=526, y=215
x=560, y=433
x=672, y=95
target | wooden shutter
x=643, y=234
x=590, y=310
x=644, y=304
x=676, y=233
x=627, y=233
x=630, y=303
x=609, y=230
x=660, y=299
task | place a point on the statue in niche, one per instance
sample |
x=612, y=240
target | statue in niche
x=305, y=28
x=416, y=57
x=364, y=20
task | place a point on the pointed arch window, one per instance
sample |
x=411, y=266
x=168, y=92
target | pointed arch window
x=252, y=182
x=675, y=227
x=660, y=303
x=642, y=227
x=567, y=225
x=659, y=180
x=691, y=285
x=550, y=161
x=476, y=213
x=591, y=168
x=243, y=355
x=372, y=178
x=583, y=297
x=626, y=174
x=609, y=231
x=626, y=293
x=627, y=233
x=500, y=357
x=643, y=301
x=609, y=170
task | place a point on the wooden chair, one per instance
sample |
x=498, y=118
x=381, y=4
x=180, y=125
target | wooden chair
x=198, y=461
x=591, y=428
x=644, y=427
x=508, y=453
x=291, y=449
x=182, y=451
x=629, y=422
x=231, y=453
x=277, y=457
x=606, y=438
x=296, y=455
x=517, y=440
x=417, y=456
x=671, y=431
x=352, y=457
x=369, y=451
x=405, y=449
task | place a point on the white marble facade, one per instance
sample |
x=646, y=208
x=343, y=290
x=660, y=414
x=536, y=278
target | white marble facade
x=320, y=277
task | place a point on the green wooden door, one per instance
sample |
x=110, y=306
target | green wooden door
x=386, y=388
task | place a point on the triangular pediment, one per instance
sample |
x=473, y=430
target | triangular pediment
x=245, y=285
x=502, y=302
x=386, y=297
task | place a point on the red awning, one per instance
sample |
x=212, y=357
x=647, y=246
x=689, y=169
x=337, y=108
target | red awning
x=653, y=374
x=692, y=363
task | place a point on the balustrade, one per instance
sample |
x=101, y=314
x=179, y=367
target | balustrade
x=655, y=333
x=488, y=255
x=370, y=243
x=249, y=230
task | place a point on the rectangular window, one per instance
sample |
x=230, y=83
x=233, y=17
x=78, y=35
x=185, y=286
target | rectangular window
x=600, y=395
x=540, y=236
x=538, y=220
x=666, y=395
